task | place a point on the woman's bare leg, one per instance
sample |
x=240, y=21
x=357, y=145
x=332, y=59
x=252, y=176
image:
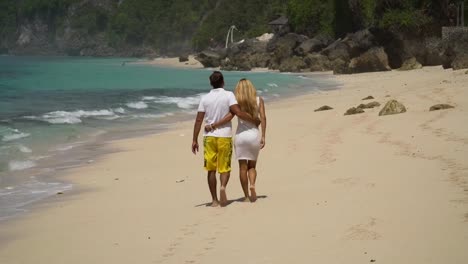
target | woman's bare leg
x=243, y=169
x=252, y=174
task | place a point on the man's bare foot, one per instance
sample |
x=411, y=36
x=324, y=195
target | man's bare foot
x=253, y=194
x=222, y=196
x=246, y=199
x=214, y=204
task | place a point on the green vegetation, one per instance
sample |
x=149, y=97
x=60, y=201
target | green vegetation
x=7, y=19
x=174, y=25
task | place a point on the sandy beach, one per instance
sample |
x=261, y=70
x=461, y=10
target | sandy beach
x=333, y=188
x=173, y=62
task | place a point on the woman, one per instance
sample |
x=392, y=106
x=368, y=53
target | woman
x=248, y=140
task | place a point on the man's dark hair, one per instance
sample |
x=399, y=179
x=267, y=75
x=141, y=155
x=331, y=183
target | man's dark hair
x=216, y=79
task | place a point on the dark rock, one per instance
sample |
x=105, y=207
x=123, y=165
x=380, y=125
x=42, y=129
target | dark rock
x=339, y=66
x=455, y=51
x=460, y=62
x=359, y=42
x=323, y=108
x=209, y=58
x=393, y=46
x=466, y=72
x=410, y=64
x=369, y=105
x=337, y=50
x=392, y=107
x=440, y=107
x=317, y=62
x=294, y=64
x=353, y=111
x=290, y=40
x=434, y=53
x=370, y=97
x=372, y=60
x=314, y=44
x=183, y=58
x=282, y=48
x=59, y=193
x=239, y=63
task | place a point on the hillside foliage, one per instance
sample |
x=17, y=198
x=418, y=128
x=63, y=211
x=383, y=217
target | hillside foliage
x=197, y=24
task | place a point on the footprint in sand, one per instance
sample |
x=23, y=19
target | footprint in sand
x=363, y=231
x=346, y=181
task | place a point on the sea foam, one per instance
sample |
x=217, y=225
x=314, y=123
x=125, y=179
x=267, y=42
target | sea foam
x=16, y=135
x=72, y=117
x=137, y=105
x=24, y=149
x=181, y=102
x=16, y=165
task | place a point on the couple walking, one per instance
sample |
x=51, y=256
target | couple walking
x=218, y=108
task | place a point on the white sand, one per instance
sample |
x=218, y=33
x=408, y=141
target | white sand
x=173, y=62
x=334, y=189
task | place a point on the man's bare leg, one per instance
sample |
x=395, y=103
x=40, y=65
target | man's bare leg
x=222, y=191
x=252, y=172
x=243, y=169
x=212, y=184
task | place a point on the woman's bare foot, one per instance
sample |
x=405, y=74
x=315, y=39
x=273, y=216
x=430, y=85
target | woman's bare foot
x=246, y=199
x=214, y=204
x=222, y=196
x=253, y=194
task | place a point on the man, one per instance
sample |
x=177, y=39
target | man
x=217, y=143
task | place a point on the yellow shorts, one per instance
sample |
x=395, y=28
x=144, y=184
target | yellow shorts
x=217, y=153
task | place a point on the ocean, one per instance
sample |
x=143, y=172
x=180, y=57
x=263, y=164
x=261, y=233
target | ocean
x=55, y=113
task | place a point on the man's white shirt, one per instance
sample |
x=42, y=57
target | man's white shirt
x=216, y=105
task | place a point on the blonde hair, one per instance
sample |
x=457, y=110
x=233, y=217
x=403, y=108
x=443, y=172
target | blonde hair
x=246, y=96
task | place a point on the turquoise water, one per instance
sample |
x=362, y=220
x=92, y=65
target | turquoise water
x=51, y=105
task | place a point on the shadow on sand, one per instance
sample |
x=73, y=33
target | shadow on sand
x=239, y=200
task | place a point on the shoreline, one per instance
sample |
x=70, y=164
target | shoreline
x=51, y=171
x=341, y=198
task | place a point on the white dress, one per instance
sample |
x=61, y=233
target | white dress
x=247, y=140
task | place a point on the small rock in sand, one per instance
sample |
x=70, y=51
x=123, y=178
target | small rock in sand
x=440, y=107
x=466, y=72
x=392, y=107
x=369, y=105
x=58, y=193
x=370, y=97
x=179, y=181
x=323, y=108
x=353, y=111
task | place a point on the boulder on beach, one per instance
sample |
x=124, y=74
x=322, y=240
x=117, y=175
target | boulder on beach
x=354, y=110
x=323, y=108
x=183, y=58
x=314, y=44
x=410, y=64
x=460, y=62
x=392, y=107
x=369, y=105
x=294, y=64
x=372, y=60
x=209, y=58
x=370, y=97
x=317, y=62
x=440, y=107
